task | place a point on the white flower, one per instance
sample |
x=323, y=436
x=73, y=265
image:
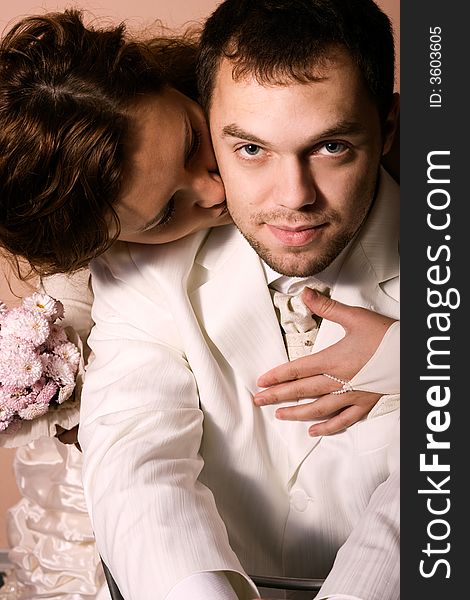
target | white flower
x=3, y=308
x=49, y=307
x=65, y=392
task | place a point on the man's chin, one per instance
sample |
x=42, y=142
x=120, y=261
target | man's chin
x=300, y=261
x=295, y=265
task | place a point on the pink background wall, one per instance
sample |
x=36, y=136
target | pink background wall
x=141, y=13
x=138, y=13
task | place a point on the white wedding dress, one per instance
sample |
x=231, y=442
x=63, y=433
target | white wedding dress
x=52, y=546
x=53, y=550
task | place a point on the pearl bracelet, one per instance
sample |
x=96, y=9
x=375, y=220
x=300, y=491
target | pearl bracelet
x=347, y=387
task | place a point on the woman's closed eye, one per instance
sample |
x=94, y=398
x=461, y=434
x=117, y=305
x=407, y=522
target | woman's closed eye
x=162, y=218
x=168, y=214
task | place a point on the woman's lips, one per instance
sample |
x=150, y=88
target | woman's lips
x=220, y=208
x=298, y=236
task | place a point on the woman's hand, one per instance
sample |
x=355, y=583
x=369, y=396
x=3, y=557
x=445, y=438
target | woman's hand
x=303, y=377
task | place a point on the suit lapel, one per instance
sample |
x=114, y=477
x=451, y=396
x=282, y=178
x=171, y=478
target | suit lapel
x=234, y=307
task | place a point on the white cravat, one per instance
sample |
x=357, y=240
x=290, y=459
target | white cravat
x=299, y=325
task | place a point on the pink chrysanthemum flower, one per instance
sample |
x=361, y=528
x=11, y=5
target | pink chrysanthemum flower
x=60, y=371
x=47, y=393
x=56, y=337
x=69, y=353
x=49, y=307
x=33, y=411
x=19, y=369
x=16, y=398
x=27, y=325
x=38, y=364
x=6, y=412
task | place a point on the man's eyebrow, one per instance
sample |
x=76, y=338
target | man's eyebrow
x=237, y=132
x=341, y=128
x=344, y=128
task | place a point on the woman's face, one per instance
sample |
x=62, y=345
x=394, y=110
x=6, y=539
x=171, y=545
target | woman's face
x=171, y=183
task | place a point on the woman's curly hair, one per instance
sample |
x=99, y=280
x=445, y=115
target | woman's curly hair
x=65, y=91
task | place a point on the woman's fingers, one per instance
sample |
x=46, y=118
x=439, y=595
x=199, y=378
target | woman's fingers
x=364, y=330
x=307, y=387
x=339, y=411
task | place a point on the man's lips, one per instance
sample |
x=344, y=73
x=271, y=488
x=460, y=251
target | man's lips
x=300, y=235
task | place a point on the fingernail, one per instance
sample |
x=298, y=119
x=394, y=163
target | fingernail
x=310, y=290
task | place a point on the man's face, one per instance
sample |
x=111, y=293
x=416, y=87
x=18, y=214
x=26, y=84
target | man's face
x=299, y=161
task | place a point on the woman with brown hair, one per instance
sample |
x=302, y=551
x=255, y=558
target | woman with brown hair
x=75, y=107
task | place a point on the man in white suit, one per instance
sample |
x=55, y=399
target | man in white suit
x=191, y=487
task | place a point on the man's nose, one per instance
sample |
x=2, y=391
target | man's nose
x=295, y=185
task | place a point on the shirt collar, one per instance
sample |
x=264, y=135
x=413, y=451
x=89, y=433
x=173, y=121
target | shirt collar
x=293, y=285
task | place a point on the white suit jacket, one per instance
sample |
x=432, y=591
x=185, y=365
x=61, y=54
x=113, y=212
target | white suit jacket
x=182, y=472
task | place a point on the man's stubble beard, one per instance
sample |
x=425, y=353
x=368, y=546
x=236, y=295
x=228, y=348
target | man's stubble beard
x=292, y=263
x=297, y=265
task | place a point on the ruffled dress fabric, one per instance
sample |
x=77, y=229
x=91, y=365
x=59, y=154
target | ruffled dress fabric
x=52, y=545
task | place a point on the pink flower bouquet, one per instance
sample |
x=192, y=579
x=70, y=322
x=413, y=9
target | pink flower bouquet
x=40, y=365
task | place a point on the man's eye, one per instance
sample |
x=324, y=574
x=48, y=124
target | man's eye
x=333, y=148
x=250, y=151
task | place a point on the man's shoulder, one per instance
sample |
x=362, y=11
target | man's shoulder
x=172, y=260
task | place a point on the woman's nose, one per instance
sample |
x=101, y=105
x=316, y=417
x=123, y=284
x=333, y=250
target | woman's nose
x=208, y=188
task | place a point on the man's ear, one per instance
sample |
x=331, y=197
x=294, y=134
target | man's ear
x=391, y=124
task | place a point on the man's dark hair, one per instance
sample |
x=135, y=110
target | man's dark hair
x=65, y=92
x=279, y=41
